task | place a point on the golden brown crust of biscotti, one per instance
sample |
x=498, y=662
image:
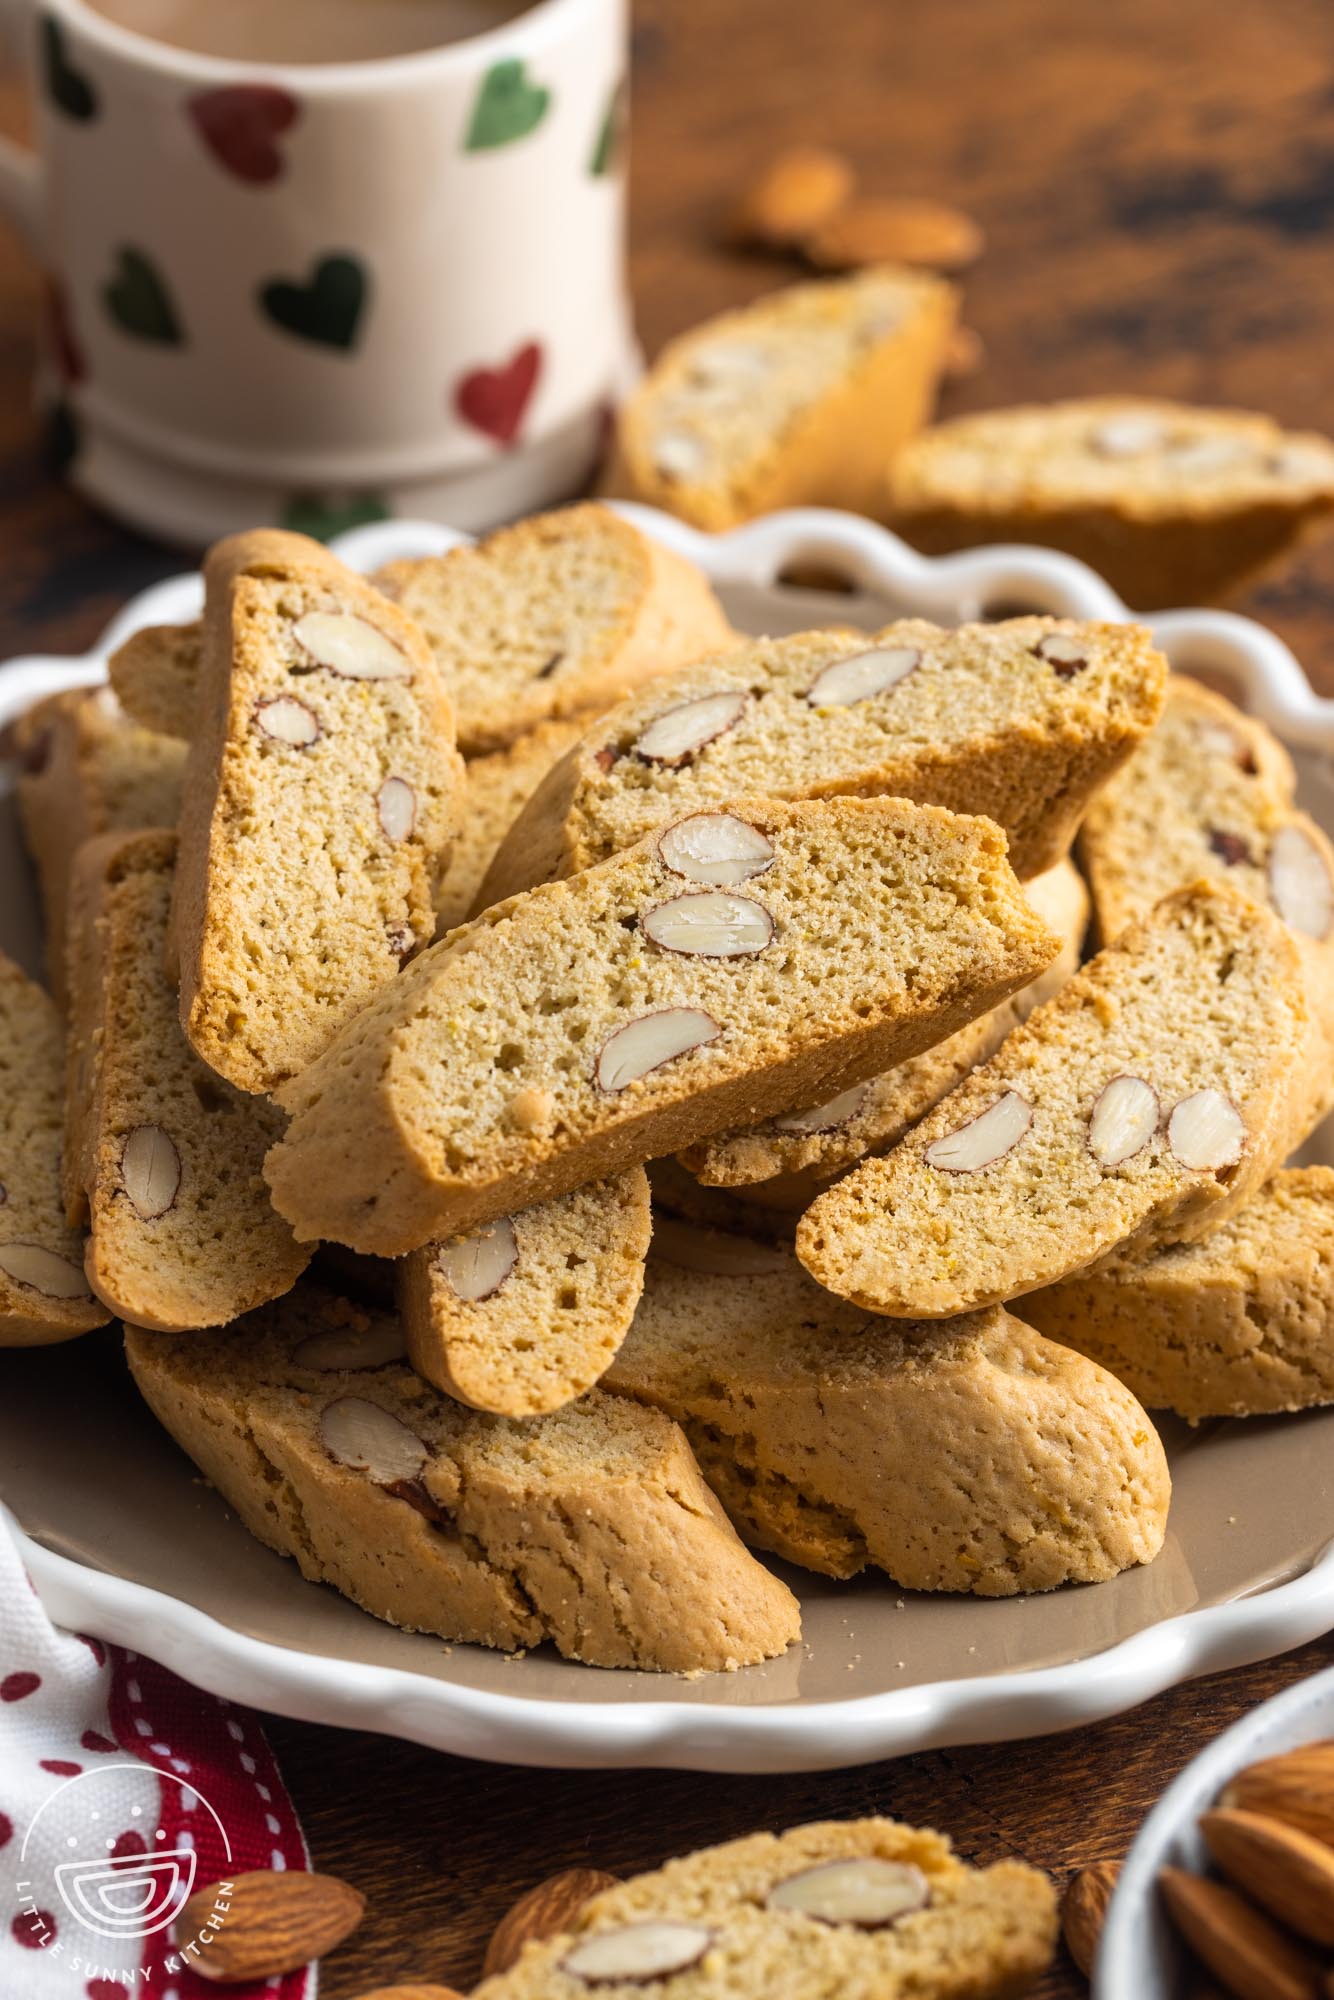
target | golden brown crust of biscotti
x=1206, y=996
x=524, y=1313
x=512, y=1062
x=156, y=672
x=496, y=789
x=977, y=719
x=800, y=399
x=1238, y=1325
x=591, y=1527
x=319, y=806
x=961, y=1455
x=981, y=1934
x=162, y=1157
x=1172, y=504
x=44, y=1294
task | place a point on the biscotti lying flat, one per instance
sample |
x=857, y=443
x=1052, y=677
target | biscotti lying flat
x=496, y=790
x=44, y=1294
x=322, y=793
x=591, y=1527
x=1020, y=721
x=596, y=1023
x=844, y=1910
x=800, y=399
x=155, y=673
x=965, y=1455
x=522, y=1314
x=162, y=1158
x=85, y=770
x=560, y=615
x=1239, y=1325
x=1154, y=1095
x=1172, y=504
x=807, y=1148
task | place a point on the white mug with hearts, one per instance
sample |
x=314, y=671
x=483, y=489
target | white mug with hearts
x=323, y=293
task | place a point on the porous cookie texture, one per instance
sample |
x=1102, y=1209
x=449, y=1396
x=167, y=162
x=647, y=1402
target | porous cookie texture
x=799, y=399
x=1238, y=1325
x=86, y=769
x=155, y=673
x=593, y=1024
x=560, y=615
x=837, y=1910
x=1152, y=1097
x=1171, y=503
x=591, y=1527
x=1021, y=721
x=322, y=792
x=162, y=1158
x=961, y=1455
x=525, y=1312
x=805, y=1149
x=496, y=789
x=44, y=1293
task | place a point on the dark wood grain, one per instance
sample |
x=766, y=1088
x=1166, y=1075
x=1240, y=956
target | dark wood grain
x=1157, y=186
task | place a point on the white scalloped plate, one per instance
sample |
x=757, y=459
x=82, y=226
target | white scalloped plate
x=124, y=1541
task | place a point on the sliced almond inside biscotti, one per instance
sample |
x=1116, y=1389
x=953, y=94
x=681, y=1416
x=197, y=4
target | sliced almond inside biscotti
x=162, y=1157
x=1044, y=1162
x=642, y=1011
x=967, y=1454
x=44, y=1293
x=523, y=1313
x=874, y=1116
x=322, y=793
x=155, y=673
x=496, y=789
x=981, y=719
x=591, y=1527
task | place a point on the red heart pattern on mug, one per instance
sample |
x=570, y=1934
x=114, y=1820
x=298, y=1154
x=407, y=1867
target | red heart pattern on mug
x=241, y=125
x=495, y=400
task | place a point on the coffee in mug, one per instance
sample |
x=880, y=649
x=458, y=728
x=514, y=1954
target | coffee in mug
x=308, y=31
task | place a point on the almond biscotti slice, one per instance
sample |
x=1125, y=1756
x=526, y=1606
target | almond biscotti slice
x=1239, y=1325
x=163, y=1158
x=591, y=1527
x=1021, y=721
x=963, y=1455
x=321, y=796
x=155, y=673
x=593, y=1024
x=1151, y=1098
x=44, y=1292
x=522, y=1314
x=84, y=770
x=865, y=1909
x=799, y=399
x=807, y=1148
x=496, y=790
x=1172, y=504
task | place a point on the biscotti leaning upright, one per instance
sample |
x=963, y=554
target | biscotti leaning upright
x=595, y=1023
x=321, y=796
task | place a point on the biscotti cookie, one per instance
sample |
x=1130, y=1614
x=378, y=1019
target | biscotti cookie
x=1154, y=1095
x=593, y=1024
x=806, y=1148
x=1171, y=504
x=162, y=1158
x=864, y=1909
x=800, y=399
x=522, y=1314
x=84, y=769
x=44, y=1292
x=591, y=1527
x=322, y=793
x=155, y=673
x=496, y=790
x=1021, y=721
x=1239, y=1325
x=966, y=1455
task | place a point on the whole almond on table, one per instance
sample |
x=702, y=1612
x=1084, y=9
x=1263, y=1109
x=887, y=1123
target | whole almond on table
x=543, y=1913
x=892, y=229
x=1283, y=1870
x=1297, y=1788
x=1248, y=1955
x=265, y=1923
x=1083, y=1907
x=798, y=190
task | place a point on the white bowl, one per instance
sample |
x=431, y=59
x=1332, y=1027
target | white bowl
x=123, y=1540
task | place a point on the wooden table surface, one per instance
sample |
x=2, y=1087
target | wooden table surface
x=1157, y=186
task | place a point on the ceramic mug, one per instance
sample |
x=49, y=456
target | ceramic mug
x=325, y=294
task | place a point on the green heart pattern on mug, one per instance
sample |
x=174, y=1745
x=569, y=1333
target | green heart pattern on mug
x=308, y=514
x=139, y=302
x=67, y=87
x=609, y=148
x=328, y=309
x=508, y=107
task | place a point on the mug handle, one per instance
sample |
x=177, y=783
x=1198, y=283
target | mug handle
x=20, y=168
